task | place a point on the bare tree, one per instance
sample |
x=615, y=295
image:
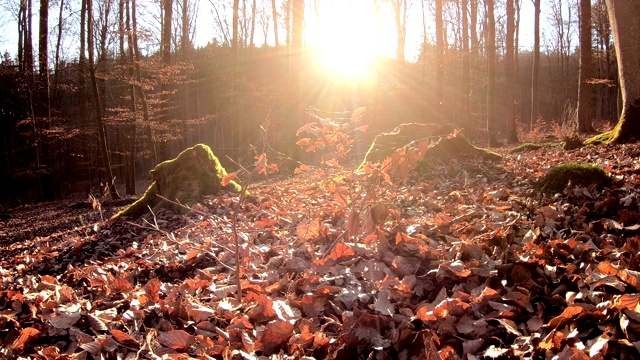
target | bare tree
x=253, y=24
x=43, y=42
x=439, y=55
x=466, y=70
x=535, y=85
x=510, y=71
x=274, y=11
x=400, y=16
x=491, y=72
x=584, y=86
x=102, y=134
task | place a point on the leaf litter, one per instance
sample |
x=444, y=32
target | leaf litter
x=463, y=260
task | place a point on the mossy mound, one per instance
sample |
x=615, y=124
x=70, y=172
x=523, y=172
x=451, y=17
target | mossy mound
x=578, y=174
x=572, y=143
x=186, y=179
x=385, y=144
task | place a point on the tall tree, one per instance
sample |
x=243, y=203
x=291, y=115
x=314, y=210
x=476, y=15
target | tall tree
x=274, y=11
x=295, y=76
x=102, y=134
x=58, y=42
x=400, y=16
x=253, y=24
x=624, y=15
x=535, y=75
x=491, y=72
x=466, y=69
x=236, y=60
x=131, y=133
x=584, y=86
x=166, y=64
x=439, y=57
x=43, y=42
x=510, y=72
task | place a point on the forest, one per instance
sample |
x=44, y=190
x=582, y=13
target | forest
x=127, y=97
x=386, y=179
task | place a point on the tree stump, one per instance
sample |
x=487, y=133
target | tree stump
x=186, y=179
x=385, y=144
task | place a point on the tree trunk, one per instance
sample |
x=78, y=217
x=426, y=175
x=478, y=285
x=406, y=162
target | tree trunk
x=165, y=79
x=253, y=24
x=400, y=15
x=624, y=15
x=510, y=71
x=143, y=96
x=491, y=73
x=130, y=161
x=441, y=108
x=28, y=41
x=535, y=90
x=56, y=70
x=287, y=23
x=102, y=135
x=236, y=59
x=82, y=73
x=466, y=70
x=274, y=11
x=584, y=87
x=43, y=42
x=295, y=76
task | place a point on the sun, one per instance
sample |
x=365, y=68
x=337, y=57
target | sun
x=347, y=38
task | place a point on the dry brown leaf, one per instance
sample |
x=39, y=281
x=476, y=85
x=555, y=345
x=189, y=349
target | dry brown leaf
x=124, y=338
x=176, y=339
x=26, y=336
x=276, y=334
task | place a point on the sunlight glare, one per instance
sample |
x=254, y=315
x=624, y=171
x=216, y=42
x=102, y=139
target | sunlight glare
x=348, y=39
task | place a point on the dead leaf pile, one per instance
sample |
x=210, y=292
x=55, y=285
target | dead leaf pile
x=463, y=261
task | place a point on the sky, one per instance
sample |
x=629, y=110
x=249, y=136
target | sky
x=205, y=22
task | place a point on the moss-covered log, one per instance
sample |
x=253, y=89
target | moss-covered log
x=385, y=144
x=186, y=179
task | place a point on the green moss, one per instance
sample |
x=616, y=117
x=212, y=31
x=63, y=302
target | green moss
x=194, y=173
x=385, y=144
x=578, y=174
x=532, y=146
x=601, y=138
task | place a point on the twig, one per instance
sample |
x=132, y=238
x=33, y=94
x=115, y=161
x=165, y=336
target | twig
x=463, y=217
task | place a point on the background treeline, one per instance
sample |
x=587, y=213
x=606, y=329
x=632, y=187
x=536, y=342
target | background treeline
x=101, y=94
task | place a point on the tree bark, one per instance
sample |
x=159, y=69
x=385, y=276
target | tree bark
x=295, y=76
x=466, y=69
x=102, y=135
x=400, y=15
x=131, y=133
x=491, y=73
x=584, y=87
x=535, y=86
x=165, y=78
x=439, y=62
x=236, y=60
x=510, y=72
x=253, y=24
x=274, y=11
x=624, y=16
x=43, y=42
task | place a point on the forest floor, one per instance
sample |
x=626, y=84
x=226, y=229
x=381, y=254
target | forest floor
x=466, y=260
